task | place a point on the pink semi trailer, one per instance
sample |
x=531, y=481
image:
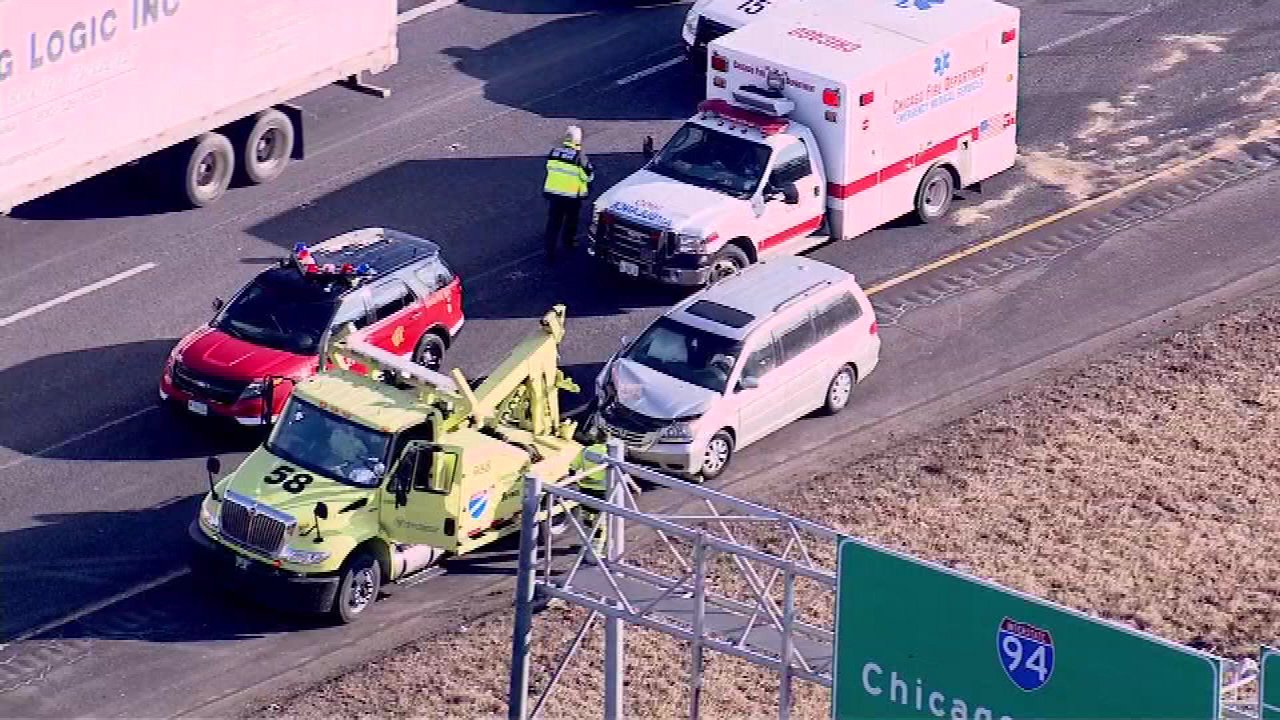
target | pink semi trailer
x=201, y=85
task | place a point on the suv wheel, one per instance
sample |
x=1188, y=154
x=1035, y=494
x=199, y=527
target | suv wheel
x=430, y=351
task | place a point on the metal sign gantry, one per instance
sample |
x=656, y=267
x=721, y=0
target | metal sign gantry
x=713, y=589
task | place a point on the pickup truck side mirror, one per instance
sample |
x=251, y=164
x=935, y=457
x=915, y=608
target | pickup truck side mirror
x=647, y=148
x=747, y=382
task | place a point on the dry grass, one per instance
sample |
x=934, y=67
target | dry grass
x=1142, y=488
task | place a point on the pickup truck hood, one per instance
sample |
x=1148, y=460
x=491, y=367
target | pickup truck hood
x=730, y=12
x=659, y=201
x=652, y=393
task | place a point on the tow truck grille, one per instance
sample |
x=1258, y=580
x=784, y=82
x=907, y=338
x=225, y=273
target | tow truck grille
x=203, y=385
x=255, y=526
x=633, y=241
x=709, y=30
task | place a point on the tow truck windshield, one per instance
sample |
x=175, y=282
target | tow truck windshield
x=686, y=353
x=696, y=155
x=330, y=444
x=281, y=310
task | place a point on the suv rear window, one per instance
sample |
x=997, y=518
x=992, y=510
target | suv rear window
x=723, y=314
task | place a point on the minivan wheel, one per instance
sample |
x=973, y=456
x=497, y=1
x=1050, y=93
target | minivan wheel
x=839, y=390
x=358, y=587
x=717, y=456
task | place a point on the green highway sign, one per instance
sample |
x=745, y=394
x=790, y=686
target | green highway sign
x=918, y=640
x=1269, y=693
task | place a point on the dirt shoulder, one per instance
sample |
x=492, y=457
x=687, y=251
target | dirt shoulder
x=1140, y=488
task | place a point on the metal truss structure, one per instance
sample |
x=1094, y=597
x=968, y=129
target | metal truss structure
x=728, y=582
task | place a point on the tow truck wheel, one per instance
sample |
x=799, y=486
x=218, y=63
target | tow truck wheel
x=933, y=198
x=267, y=147
x=208, y=169
x=358, y=588
x=729, y=261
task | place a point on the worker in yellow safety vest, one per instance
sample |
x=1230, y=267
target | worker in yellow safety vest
x=569, y=176
x=593, y=483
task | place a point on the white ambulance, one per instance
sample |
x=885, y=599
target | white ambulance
x=823, y=121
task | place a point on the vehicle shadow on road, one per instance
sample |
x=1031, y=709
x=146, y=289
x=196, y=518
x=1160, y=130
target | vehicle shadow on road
x=127, y=191
x=519, y=72
x=488, y=215
x=102, y=404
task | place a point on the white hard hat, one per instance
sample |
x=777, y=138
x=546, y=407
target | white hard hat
x=573, y=135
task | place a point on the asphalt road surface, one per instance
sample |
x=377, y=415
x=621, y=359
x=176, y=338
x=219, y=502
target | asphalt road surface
x=97, y=484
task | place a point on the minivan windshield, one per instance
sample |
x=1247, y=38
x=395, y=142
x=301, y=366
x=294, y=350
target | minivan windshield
x=686, y=353
x=719, y=161
x=282, y=310
x=329, y=444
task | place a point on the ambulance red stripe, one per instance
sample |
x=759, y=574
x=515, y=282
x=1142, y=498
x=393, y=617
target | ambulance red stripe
x=803, y=228
x=847, y=190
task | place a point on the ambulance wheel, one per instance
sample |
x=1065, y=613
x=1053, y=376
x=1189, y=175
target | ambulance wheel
x=430, y=351
x=933, y=198
x=729, y=261
x=268, y=146
x=207, y=174
x=716, y=458
x=357, y=588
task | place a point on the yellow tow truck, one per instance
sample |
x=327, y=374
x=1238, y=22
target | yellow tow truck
x=378, y=468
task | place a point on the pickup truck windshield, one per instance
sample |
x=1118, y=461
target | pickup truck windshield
x=719, y=161
x=330, y=445
x=686, y=353
x=281, y=310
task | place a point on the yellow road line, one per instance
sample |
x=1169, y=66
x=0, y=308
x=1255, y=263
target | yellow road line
x=1049, y=219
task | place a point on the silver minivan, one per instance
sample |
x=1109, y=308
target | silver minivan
x=736, y=361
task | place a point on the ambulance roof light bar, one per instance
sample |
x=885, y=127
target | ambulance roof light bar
x=767, y=124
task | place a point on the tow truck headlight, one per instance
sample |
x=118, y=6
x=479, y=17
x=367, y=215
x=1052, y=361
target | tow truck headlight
x=303, y=557
x=252, y=390
x=209, y=513
x=678, y=431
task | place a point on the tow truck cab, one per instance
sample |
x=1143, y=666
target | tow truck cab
x=825, y=113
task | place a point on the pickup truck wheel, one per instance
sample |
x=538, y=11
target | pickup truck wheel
x=729, y=261
x=208, y=170
x=268, y=146
x=430, y=351
x=717, y=456
x=933, y=198
x=357, y=588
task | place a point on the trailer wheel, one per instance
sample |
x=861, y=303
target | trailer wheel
x=209, y=167
x=933, y=198
x=268, y=146
x=358, y=587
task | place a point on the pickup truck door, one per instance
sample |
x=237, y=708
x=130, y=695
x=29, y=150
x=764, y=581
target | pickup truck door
x=419, y=503
x=782, y=221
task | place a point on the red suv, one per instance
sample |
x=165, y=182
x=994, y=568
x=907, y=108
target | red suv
x=394, y=283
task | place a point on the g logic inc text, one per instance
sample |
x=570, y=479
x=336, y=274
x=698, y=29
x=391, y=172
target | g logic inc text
x=46, y=47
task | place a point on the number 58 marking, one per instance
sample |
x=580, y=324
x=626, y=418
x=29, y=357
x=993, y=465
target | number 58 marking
x=289, y=479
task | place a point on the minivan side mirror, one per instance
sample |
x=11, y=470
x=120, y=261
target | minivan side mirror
x=790, y=194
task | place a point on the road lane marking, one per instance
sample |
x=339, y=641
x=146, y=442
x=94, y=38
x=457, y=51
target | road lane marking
x=415, y=13
x=1104, y=25
x=648, y=71
x=68, y=297
x=1050, y=219
x=78, y=437
x=95, y=607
